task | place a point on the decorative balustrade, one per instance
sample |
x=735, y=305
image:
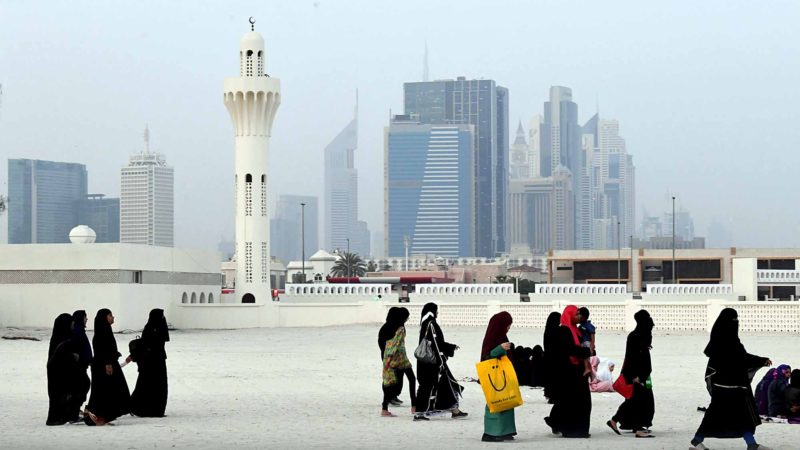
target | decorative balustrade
x=690, y=289
x=778, y=276
x=582, y=289
x=465, y=289
x=338, y=289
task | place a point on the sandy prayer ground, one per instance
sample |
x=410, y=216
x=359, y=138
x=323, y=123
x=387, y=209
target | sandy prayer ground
x=320, y=387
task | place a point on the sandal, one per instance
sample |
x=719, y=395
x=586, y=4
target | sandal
x=613, y=427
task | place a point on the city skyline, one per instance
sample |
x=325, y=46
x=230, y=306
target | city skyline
x=681, y=116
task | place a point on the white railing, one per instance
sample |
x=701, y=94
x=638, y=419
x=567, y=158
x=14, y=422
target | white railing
x=690, y=289
x=582, y=289
x=465, y=289
x=338, y=289
x=778, y=276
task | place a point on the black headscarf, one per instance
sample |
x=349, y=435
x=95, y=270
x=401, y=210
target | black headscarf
x=395, y=318
x=156, y=327
x=644, y=327
x=429, y=308
x=724, y=339
x=62, y=330
x=103, y=342
x=551, y=332
x=794, y=379
x=79, y=336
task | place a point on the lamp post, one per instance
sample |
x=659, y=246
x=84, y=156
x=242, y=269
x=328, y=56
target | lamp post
x=303, y=239
x=347, y=260
x=674, y=269
x=630, y=265
x=405, y=243
x=619, y=256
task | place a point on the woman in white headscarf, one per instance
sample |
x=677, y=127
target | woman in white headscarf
x=602, y=375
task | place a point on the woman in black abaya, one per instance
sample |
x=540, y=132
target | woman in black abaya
x=732, y=412
x=149, y=398
x=573, y=402
x=79, y=379
x=59, y=363
x=110, y=397
x=438, y=390
x=636, y=413
x=550, y=342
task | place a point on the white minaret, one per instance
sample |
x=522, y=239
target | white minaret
x=252, y=99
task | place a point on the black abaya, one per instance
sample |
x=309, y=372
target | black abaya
x=636, y=413
x=438, y=390
x=59, y=365
x=110, y=397
x=79, y=378
x=570, y=388
x=149, y=398
x=732, y=411
x=550, y=342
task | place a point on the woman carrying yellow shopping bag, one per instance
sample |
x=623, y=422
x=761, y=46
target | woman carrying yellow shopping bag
x=499, y=426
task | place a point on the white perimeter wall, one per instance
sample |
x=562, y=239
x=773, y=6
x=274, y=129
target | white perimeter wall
x=781, y=317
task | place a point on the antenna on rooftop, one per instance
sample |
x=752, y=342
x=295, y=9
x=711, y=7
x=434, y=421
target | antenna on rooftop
x=146, y=138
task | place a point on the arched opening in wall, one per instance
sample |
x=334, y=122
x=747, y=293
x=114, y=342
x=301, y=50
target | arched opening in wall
x=184, y=298
x=194, y=298
x=210, y=297
x=248, y=298
x=259, y=53
x=202, y=297
x=249, y=53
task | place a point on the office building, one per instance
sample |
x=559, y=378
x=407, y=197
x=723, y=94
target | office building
x=42, y=196
x=101, y=214
x=429, y=188
x=484, y=105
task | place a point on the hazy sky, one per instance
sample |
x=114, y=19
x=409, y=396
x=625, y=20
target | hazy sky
x=706, y=92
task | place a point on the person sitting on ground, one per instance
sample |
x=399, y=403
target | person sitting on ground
x=537, y=367
x=776, y=392
x=602, y=375
x=587, y=332
x=760, y=395
x=793, y=397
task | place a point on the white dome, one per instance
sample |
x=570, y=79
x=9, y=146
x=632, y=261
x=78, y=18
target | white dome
x=251, y=41
x=82, y=234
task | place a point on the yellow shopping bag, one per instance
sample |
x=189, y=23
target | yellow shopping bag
x=499, y=383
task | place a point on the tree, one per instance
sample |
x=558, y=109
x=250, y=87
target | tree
x=372, y=267
x=525, y=286
x=349, y=264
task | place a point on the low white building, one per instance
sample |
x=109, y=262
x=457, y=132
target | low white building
x=317, y=268
x=40, y=281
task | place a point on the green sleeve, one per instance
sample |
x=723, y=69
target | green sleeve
x=497, y=352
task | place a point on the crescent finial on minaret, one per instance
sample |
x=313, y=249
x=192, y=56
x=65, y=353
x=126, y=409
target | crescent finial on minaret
x=252, y=23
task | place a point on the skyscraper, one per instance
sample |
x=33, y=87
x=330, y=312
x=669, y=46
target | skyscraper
x=42, y=196
x=341, y=188
x=540, y=213
x=428, y=188
x=484, y=105
x=285, y=227
x=519, y=166
x=147, y=199
x=561, y=145
x=101, y=214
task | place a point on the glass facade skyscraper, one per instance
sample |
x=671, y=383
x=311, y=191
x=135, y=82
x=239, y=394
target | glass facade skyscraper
x=484, y=105
x=42, y=198
x=101, y=214
x=429, y=188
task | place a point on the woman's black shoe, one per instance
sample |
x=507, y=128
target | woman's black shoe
x=490, y=438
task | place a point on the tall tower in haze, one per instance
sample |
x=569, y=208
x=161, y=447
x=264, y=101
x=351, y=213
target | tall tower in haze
x=341, y=190
x=252, y=100
x=147, y=199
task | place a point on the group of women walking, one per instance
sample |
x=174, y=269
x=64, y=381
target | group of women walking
x=70, y=356
x=438, y=390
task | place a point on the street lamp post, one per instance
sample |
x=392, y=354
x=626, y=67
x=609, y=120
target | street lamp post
x=303, y=240
x=405, y=243
x=347, y=260
x=674, y=269
x=619, y=256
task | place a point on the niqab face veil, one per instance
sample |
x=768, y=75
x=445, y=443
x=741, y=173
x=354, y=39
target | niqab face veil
x=724, y=334
x=157, y=325
x=431, y=308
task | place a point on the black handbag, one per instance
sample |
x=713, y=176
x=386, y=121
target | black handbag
x=425, y=352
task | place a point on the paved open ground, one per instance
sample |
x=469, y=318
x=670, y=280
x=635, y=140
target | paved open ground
x=320, y=388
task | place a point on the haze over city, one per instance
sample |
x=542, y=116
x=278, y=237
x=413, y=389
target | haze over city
x=704, y=93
